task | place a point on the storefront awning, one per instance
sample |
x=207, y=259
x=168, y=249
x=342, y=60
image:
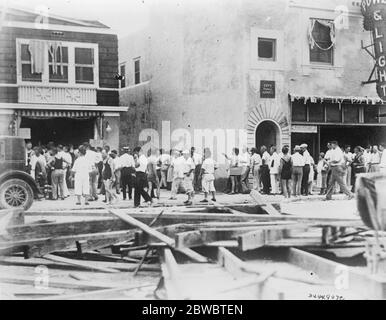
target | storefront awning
x=336, y=99
x=41, y=114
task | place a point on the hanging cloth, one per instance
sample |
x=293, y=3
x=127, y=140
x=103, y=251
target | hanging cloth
x=53, y=48
x=311, y=39
x=37, y=49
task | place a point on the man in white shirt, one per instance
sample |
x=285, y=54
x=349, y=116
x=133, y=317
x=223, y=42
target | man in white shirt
x=337, y=163
x=92, y=158
x=349, y=157
x=297, y=171
x=140, y=178
x=188, y=169
x=177, y=163
x=274, y=164
x=245, y=163
x=126, y=162
x=117, y=170
x=66, y=168
x=382, y=164
x=208, y=167
x=165, y=163
x=306, y=168
x=264, y=170
x=366, y=157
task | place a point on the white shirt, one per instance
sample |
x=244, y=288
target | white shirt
x=117, y=163
x=375, y=158
x=256, y=160
x=274, y=163
x=142, y=160
x=178, y=167
x=337, y=157
x=197, y=158
x=91, y=157
x=383, y=160
x=366, y=157
x=297, y=160
x=188, y=165
x=328, y=155
x=349, y=156
x=209, y=166
x=82, y=166
x=67, y=157
x=307, y=157
x=165, y=158
x=266, y=158
x=245, y=159
x=126, y=160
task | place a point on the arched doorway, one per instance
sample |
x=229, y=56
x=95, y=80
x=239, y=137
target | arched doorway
x=267, y=134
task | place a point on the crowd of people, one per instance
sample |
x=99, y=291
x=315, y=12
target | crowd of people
x=295, y=173
x=94, y=172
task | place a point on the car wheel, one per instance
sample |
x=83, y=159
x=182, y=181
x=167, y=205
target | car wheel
x=15, y=193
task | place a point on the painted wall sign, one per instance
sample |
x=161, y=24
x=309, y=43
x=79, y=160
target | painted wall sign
x=374, y=12
x=304, y=129
x=267, y=89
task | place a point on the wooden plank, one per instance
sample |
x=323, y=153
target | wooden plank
x=158, y=235
x=259, y=200
x=79, y=263
x=258, y=238
x=172, y=275
x=138, y=224
x=372, y=286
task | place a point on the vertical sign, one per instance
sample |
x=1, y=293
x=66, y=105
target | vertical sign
x=374, y=13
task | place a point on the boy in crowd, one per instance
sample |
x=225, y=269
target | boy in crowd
x=207, y=170
x=188, y=168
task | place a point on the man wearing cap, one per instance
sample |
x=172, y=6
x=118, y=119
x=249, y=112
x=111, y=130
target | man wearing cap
x=337, y=163
x=306, y=168
x=188, y=170
x=126, y=162
x=140, y=163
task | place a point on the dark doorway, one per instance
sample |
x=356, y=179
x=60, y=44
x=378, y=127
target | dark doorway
x=59, y=130
x=352, y=135
x=266, y=134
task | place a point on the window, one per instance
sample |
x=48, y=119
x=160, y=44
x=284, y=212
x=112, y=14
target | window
x=58, y=69
x=321, y=41
x=333, y=113
x=137, y=71
x=316, y=112
x=84, y=65
x=62, y=62
x=266, y=49
x=371, y=114
x=122, y=72
x=26, y=68
x=350, y=113
x=299, y=111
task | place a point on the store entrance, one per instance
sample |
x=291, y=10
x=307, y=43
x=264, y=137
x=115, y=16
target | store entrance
x=59, y=130
x=352, y=135
x=311, y=139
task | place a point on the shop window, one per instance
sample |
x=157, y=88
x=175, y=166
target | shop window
x=84, y=65
x=26, y=68
x=58, y=67
x=350, y=113
x=316, y=112
x=266, y=49
x=321, y=37
x=299, y=111
x=333, y=113
x=382, y=114
x=137, y=71
x=371, y=114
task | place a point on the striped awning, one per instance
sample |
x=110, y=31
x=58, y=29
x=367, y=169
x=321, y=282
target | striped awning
x=336, y=99
x=58, y=114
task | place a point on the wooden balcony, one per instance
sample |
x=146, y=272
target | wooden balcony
x=57, y=95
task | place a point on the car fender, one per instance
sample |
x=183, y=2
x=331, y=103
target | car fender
x=22, y=176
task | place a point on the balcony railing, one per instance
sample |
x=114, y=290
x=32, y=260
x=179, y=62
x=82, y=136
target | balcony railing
x=57, y=95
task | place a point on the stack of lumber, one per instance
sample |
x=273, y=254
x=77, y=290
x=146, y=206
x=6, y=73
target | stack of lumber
x=156, y=252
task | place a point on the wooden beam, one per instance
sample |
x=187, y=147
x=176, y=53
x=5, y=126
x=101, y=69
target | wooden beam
x=258, y=238
x=172, y=275
x=100, y=294
x=268, y=207
x=371, y=286
x=158, y=235
x=88, y=265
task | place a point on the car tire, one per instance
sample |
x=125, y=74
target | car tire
x=15, y=193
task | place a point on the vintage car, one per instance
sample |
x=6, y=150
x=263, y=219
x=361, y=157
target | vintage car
x=17, y=188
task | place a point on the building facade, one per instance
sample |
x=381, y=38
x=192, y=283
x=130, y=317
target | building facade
x=275, y=72
x=57, y=79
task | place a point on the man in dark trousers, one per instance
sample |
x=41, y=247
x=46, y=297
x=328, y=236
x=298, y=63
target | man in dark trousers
x=126, y=162
x=306, y=169
x=264, y=170
x=140, y=178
